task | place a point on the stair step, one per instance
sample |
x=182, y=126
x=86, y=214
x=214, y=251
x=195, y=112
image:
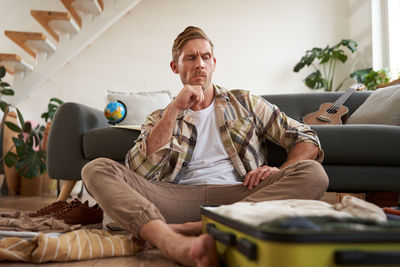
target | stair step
x=54, y=22
x=32, y=42
x=14, y=63
x=86, y=6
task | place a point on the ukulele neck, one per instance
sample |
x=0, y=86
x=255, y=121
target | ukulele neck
x=343, y=98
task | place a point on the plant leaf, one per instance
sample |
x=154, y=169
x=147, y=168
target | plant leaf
x=4, y=84
x=52, y=107
x=31, y=164
x=20, y=118
x=3, y=105
x=54, y=99
x=7, y=92
x=359, y=75
x=13, y=127
x=2, y=71
x=340, y=55
x=10, y=159
x=325, y=58
x=350, y=44
x=19, y=145
x=315, y=80
x=298, y=66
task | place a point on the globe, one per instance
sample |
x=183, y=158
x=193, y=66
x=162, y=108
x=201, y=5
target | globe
x=115, y=112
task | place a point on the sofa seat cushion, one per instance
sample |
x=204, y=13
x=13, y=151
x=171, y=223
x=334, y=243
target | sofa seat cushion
x=108, y=142
x=360, y=144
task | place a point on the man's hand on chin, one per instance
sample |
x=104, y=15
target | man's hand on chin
x=189, y=96
x=254, y=177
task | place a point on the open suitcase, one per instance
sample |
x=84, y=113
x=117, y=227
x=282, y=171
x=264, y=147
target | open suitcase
x=243, y=245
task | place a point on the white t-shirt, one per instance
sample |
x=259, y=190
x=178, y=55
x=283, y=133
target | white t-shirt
x=210, y=164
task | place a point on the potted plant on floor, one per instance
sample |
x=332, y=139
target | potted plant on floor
x=29, y=158
x=11, y=176
x=25, y=153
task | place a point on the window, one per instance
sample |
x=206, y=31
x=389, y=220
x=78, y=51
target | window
x=385, y=35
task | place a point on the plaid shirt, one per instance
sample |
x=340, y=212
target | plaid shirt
x=245, y=122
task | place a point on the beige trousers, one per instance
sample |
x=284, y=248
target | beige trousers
x=133, y=201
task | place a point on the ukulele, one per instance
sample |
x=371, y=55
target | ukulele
x=332, y=113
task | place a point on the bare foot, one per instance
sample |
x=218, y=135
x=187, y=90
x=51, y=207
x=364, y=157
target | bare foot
x=204, y=252
x=187, y=250
x=191, y=251
x=189, y=228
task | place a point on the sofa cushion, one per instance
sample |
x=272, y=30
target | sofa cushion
x=381, y=107
x=362, y=144
x=139, y=104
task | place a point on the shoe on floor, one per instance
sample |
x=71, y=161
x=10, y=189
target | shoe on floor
x=48, y=210
x=80, y=213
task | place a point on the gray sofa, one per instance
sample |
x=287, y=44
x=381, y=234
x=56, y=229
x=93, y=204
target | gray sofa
x=358, y=158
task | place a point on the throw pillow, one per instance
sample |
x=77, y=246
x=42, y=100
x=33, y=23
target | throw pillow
x=381, y=107
x=139, y=104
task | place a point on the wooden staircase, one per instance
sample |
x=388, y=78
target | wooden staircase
x=65, y=35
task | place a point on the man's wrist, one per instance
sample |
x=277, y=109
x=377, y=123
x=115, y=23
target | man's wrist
x=172, y=110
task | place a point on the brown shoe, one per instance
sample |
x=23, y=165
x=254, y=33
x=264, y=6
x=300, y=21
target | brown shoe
x=80, y=213
x=52, y=208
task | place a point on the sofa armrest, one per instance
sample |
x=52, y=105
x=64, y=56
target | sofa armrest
x=65, y=157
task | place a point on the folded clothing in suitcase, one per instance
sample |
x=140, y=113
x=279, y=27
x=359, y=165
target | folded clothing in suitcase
x=291, y=233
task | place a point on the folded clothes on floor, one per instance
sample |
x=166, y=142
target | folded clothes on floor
x=24, y=235
x=82, y=244
x=21, y=221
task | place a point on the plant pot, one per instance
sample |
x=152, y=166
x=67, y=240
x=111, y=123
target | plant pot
x=31, y=187
x=46, y=135
x=49, y=185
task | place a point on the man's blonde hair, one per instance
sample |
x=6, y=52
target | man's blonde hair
x=189, y=33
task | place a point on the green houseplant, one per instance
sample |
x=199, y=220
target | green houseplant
x=327, y=59
x=29, y=159
x=5, y=89
x=371, y=78
x=52, y=107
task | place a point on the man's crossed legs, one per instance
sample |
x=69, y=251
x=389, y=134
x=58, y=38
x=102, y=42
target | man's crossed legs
x=168, y=215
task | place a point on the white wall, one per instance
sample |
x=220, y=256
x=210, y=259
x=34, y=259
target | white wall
x=257, y=43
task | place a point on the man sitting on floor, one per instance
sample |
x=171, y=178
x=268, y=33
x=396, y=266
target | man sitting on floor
x=207, y=147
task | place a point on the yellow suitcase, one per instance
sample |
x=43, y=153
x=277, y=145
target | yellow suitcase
x=242, y=245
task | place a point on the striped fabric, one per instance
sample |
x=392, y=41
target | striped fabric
x=83, y=244
x=245, y=122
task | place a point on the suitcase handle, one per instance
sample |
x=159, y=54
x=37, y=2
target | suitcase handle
x=247, y=248
x=358, y=257
x=227, y=239
x=244, y=246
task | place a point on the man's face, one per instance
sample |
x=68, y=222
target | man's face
x=196, y=63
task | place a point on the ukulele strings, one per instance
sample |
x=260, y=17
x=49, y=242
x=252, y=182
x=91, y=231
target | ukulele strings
x=333, y=108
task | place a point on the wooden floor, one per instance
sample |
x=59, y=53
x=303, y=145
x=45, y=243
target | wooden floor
x=147, y=258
